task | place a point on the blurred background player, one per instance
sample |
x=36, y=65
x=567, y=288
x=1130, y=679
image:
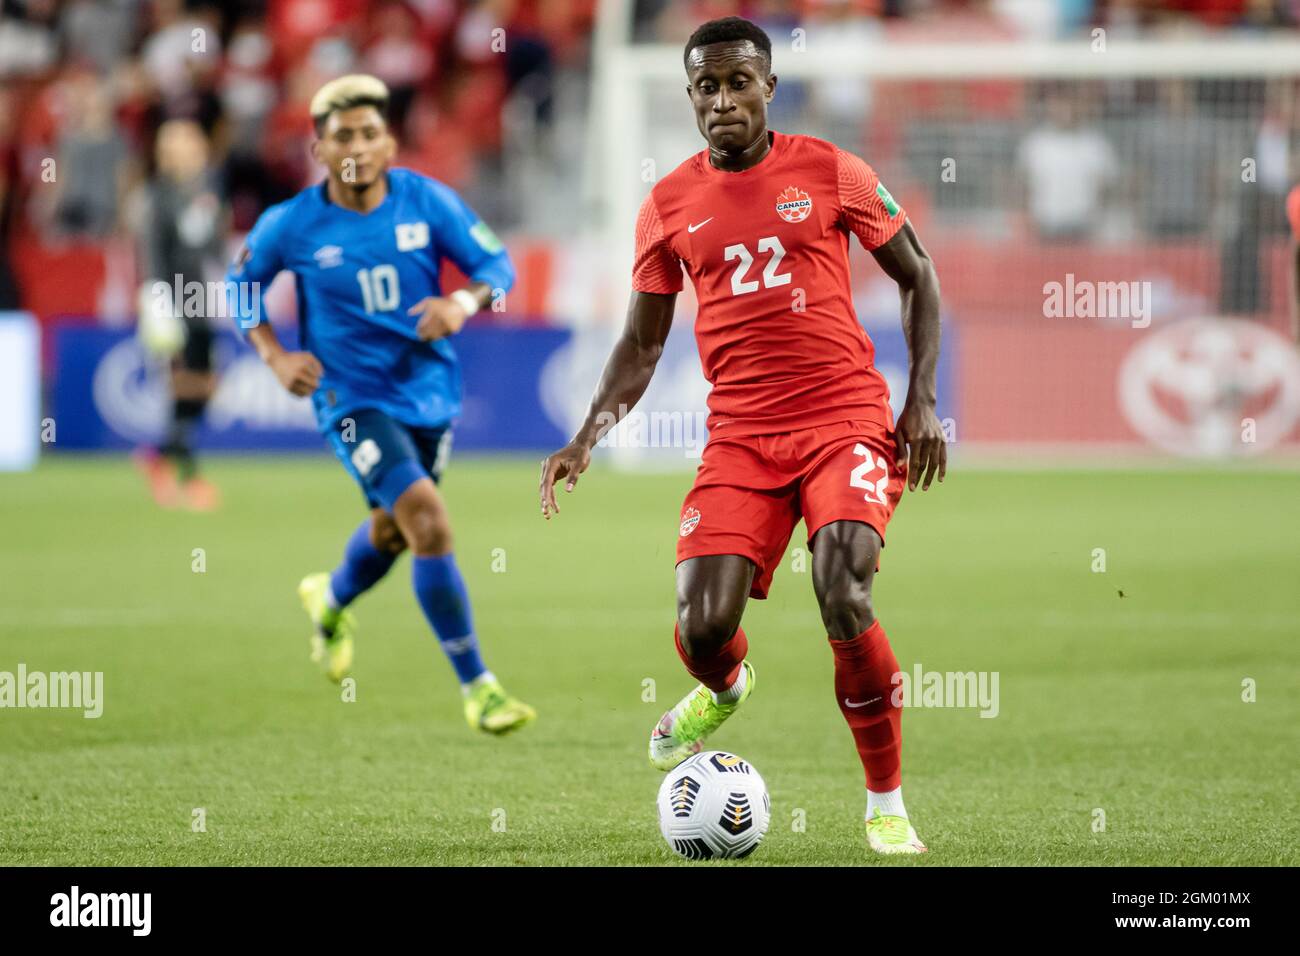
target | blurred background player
x=800, y=426
x=365, y=247
x=181, y=232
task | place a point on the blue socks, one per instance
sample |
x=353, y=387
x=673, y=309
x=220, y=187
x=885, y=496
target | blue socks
x=441, y=592
x=363, y=565
x=438, y=587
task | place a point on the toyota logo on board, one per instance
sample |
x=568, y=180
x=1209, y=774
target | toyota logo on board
x=1212, y=388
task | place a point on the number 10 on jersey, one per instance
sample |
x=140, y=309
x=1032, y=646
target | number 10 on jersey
x=379, y=289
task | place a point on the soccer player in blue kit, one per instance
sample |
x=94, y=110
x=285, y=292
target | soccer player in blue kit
x=365, y=248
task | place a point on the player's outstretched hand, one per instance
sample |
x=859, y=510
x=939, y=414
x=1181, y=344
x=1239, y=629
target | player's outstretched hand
x=299, y=372
x=569, y=462
x=439, y=318
x=920, y=441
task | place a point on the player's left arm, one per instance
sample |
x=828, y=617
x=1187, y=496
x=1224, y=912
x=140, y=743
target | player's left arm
x=918, y=432
x=466, y=240
x=871, y=213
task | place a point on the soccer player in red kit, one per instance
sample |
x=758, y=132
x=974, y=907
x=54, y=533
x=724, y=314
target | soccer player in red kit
x=800, y=424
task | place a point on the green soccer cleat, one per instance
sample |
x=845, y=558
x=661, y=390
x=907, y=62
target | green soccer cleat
x=892, y=834
x=489, y=708
x=683, y=730
x=331, y=641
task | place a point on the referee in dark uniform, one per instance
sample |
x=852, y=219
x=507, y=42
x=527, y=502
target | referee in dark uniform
x=182, y=234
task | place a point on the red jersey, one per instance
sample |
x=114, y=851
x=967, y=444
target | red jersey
x=767, y=249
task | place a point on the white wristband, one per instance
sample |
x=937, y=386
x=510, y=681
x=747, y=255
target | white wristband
x=466, y=300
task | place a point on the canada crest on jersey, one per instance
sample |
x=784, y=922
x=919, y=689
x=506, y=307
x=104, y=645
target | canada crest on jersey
x=793, y=205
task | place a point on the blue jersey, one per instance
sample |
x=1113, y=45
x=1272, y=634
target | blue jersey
x=357, y=275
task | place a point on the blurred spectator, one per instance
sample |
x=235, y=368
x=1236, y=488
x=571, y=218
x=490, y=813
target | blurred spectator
x=248, y=93
x=1258, y=202
x=434, y=144
x=248, y=88
x=1176, y=152
x=183, y=58
x=181, y=43
x=93, y=165
x=843, y=101
x=1068, y=167
x=398, y=55
x=98, y=33
x=28, y=45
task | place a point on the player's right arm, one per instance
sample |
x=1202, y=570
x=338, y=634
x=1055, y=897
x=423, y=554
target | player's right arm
x=299, y=372
x=628, y=370
x=259, y=262
x=656, y=280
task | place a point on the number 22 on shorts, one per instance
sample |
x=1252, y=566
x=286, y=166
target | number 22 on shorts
x=858, y=478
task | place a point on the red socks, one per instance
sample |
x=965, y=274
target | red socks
x=864, y=687
x=718, y=671
x=864, y=670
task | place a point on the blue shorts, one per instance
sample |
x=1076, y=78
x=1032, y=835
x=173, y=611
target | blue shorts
x=385, y=456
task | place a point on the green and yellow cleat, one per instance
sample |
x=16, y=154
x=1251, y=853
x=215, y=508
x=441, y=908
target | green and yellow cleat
x=331, y=641
x=683, y=730
x=489, y=708
x=892, y=834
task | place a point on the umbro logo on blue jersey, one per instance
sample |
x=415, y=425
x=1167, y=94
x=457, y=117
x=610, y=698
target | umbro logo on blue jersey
x=327, y=257
x=412, y=235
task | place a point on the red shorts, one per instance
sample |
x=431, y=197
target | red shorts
x=750, y=492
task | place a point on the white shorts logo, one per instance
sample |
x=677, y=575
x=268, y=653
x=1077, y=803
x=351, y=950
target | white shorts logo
x=690, y=520
x=366, y=457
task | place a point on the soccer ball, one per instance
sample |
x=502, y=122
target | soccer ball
x=713, y=806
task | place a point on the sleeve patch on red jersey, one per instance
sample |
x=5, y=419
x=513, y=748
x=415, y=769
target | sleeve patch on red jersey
x=887, y=199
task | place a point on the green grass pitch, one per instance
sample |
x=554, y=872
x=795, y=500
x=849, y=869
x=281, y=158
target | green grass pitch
x=1132, y=706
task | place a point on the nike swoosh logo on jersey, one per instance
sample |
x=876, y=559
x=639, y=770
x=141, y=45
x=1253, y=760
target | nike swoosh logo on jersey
x=701, y=225
x=849, y=703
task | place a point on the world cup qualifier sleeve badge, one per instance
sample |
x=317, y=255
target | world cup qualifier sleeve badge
x=793, y=204
x=891, y=206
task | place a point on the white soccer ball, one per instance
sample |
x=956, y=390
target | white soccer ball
x=714, y=805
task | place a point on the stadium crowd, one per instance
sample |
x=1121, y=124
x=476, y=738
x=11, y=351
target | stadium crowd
x=85, y=84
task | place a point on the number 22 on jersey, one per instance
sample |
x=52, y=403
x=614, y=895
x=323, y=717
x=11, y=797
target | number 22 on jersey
x=771, y=278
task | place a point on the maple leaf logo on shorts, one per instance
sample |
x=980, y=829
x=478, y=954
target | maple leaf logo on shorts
x=690, y=518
